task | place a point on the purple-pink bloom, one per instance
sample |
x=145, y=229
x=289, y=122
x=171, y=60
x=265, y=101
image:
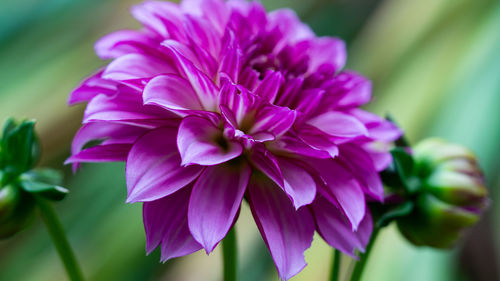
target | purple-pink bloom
x=215, y=102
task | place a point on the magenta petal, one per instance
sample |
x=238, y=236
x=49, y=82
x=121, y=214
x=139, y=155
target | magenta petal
x=136, y=66
x=101, y=153
x=124, y=42
x=317, y=139
x=336, y=230
x=273, y=119
x=197, y=141
x=287, y=20
x=203, y=86
x=268, y=88
x=329, y=51
x=378, y=128
x=286, y=231
x=165, y=223
x=352, y=88
x=290, y=143
x=267, y=164
x=381, y=160
x=154, y=167
x=340, y=187
x=231, y=60
x=163, y=18
x=338, y=124
x=171, y=92
x=123, y=106
x=109, y=133
x=299, y=184
x=362, y=167
x=91, y=87
x=214, y=202
x=215, y=11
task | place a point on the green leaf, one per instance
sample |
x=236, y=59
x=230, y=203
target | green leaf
x=48, y=191
x=404, y=166
x=395, y=213
x=49, y=176
x=20, y=147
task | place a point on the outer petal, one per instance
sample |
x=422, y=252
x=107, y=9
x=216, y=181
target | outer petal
x=171, y=92
x=124, y=107
x=161, y=17
x=215, y=200
x=342, y=189
x=165, y=223
x=286, y=231
x=349, y=89
x=154, y=167
x=336, y=230
x=379, y=129
x=338, y=124
x=318, y=140
x=267, y=164
x=299, y=184
x=288, y=22
x=199, y=140
x=109, y=133
x=327, y=51
x=362, y=167
x=215, y=11
x=290, y=143
x=136, y=66
x=91, y=87
x=101, y=153
x=124, y=42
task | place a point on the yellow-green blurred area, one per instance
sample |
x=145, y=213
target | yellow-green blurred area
x=435, y=65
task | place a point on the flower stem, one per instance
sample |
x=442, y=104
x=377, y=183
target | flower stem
x=59, y=239
x=229, y=252
x=360, y=265
x=334, y=274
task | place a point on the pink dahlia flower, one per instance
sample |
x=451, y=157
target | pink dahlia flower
x=215, y=102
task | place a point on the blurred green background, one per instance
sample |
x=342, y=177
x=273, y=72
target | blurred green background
x=435, y=65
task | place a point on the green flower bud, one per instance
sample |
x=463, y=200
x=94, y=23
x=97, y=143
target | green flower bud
x=16, y=210
x=9, y=197
x=20, y=184
x=450, y=172
x=445, y=188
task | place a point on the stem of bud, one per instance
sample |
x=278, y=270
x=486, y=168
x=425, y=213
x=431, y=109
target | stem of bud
x=59, y=239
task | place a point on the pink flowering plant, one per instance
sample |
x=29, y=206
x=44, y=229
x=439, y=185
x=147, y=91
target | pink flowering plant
x=215, y=102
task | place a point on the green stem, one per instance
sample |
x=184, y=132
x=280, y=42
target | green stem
x=334, y=274
x=59, y=239
x=229, y=253
x=360, y=265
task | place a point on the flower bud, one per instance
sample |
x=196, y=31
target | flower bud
x=9, y=197
x=20, y=184
x=436, y=223
x=16, y=210
x=447, y=193
x=450, y=172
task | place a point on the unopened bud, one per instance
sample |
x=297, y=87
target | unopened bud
x=447, y=193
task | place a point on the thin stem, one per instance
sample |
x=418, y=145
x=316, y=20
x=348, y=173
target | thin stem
x=334, y=274
x=360, y=265
x=230, y=253
x=59, y=239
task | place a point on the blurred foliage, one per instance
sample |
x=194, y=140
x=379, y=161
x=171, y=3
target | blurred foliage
x=435, y=65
